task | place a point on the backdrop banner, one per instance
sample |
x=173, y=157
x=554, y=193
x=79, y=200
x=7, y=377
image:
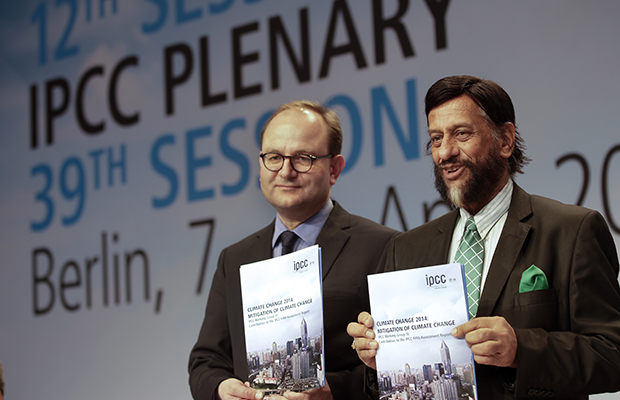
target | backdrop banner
x=129, y=151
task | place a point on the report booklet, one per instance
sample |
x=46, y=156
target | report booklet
x=414, y=312
x=283, y=321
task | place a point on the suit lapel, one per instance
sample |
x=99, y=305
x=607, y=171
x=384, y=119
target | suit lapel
x=263, y=243
x=440, y=244
x=333, y=236
x=508, y=248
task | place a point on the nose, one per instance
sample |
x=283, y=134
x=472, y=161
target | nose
x=447, y=149
x=287, y=170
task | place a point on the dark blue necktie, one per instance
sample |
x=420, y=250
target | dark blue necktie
x=288, y=239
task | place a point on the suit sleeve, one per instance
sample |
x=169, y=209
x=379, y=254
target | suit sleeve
x=368, y=376
x=363, y=254
x=584, y=359
x=211, y=358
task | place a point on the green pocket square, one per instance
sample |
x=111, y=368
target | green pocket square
x=533, y=279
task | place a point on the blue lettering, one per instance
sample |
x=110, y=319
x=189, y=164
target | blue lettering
x=236, y=156
x=63, y=50
x=259, y=127
x=78, y=190
x=356, y=128
x=102, y=7
x=183, y=16
x=43, y=196
x=165, y=171
x=159, y=22
x=218, y=8
x=121, y=164
x=96, y=156
x=262, y=120
x=381, y=101
x=193, y=163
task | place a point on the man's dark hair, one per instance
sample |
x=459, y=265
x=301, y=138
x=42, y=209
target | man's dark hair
x=492, y=100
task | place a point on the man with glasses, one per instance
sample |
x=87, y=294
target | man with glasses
x=300, y=161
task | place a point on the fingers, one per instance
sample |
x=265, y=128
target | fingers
x=492, y=340
x=278, y=397
x=234, y=389
x=365, y=319
x=363, y=339
x=367, y=353
x=296, y=396
x=469, y=326
x=320, y=393
x=363, y=327
x=357, y=330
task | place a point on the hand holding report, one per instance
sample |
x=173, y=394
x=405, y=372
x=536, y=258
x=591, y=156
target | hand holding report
x=414, y=312
x=283, y=321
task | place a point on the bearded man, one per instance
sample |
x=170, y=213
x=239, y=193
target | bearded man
x=561, y=339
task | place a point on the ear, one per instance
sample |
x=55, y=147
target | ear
x=260, y=169
x=507, y=145
x=335, y=168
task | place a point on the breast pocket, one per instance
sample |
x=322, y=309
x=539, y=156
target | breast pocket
x=536, y=309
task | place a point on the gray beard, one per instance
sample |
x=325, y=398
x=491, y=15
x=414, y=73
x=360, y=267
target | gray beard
x=485, y=176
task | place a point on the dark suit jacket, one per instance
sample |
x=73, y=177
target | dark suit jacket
x=352, y=248
x=568, y=335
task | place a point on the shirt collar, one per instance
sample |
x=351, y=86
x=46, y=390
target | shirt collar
x=309, y=230
x=492, y=212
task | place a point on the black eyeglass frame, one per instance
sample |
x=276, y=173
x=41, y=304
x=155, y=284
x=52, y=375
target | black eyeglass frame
x=310, y=156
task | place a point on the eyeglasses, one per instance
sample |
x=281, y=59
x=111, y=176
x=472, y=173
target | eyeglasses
x=299, y=162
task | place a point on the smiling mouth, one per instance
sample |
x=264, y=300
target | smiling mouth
x=453, y=171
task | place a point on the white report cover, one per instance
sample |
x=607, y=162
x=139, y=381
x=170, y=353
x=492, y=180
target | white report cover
x=414, y=312
x=283, y=321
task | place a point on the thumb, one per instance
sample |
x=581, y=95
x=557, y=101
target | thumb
x=457, y=332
